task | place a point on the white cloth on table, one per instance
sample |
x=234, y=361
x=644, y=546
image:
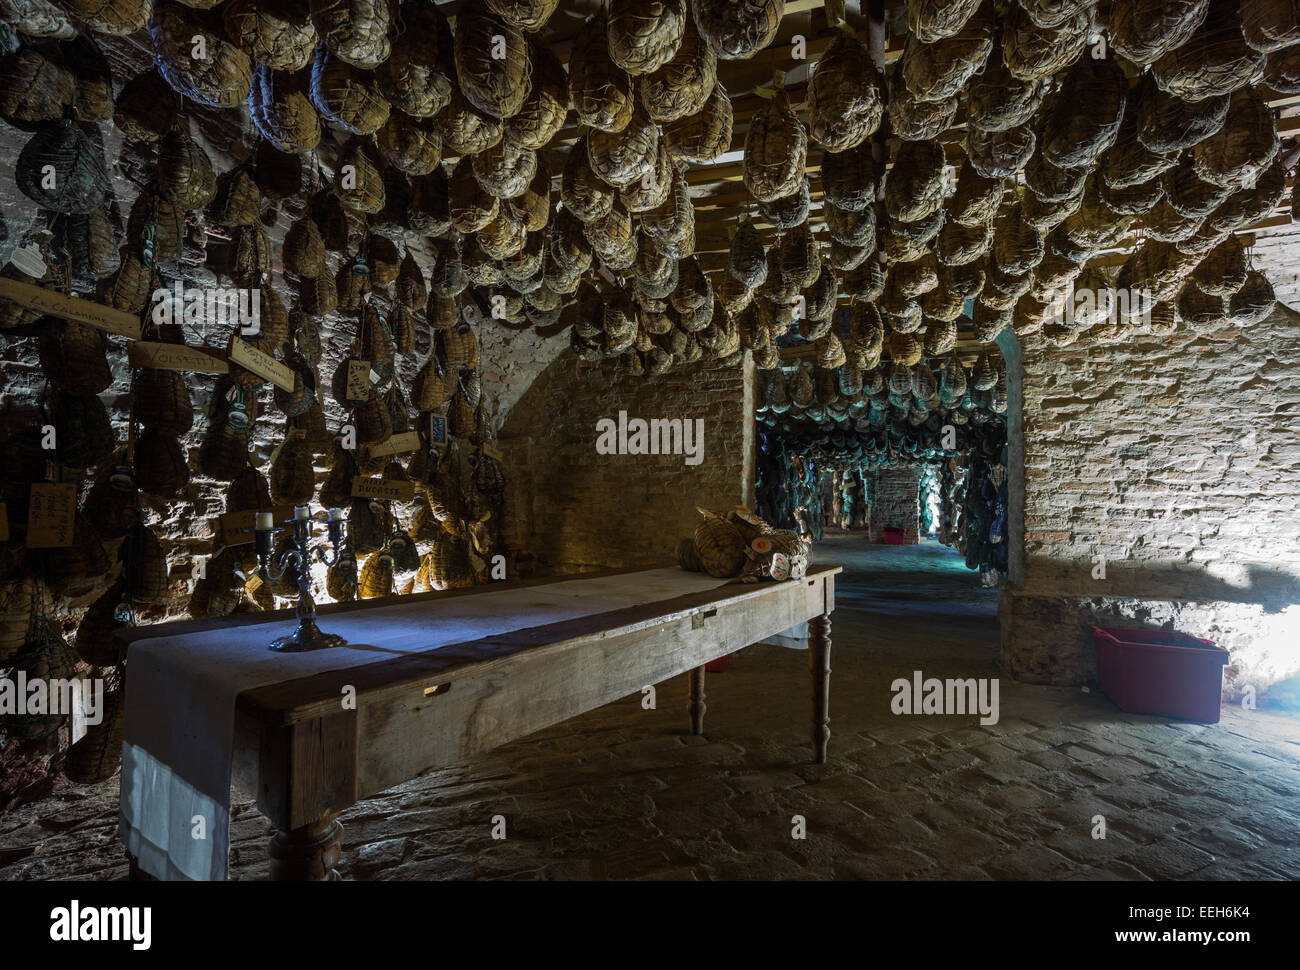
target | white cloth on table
x=178, y=740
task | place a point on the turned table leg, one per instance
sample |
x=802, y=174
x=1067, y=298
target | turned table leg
x=819, y=662
x=695, y=684
x=309, y=853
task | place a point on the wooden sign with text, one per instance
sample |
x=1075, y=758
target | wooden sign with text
x=51, y=515
x=398, y=444
x=390, y=489
x=236, y=528
x=164, y=356
x=71, y=308
x=261, y=364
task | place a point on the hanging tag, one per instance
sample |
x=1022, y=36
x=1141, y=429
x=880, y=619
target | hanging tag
x=493, y=453
x=238, y=413
x=381, y=488
x=122, y=480
x=58, y=304
x=28, y=259
x=254, y=584
x=169, y=356
x=51, y=515
x=437, y=431
x=262, y=364
x=398, y=444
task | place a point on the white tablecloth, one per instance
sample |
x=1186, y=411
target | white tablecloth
x=179, y=733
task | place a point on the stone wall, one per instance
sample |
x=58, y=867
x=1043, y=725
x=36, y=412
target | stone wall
x=894, y=502
x=572, y=509
x=1162, y=485
x=509, y=361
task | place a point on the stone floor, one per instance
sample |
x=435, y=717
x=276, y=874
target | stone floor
x=625, y=793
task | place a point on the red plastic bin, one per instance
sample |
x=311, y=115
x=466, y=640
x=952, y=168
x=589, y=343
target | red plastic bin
x=1161, y=672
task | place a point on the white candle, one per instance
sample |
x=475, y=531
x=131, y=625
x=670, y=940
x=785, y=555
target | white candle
x=265, y=522
x=301, y=512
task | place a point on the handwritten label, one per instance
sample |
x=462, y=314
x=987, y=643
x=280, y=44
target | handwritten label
x=71, y=308
x=254, y=584
x=396, y=445
x=51, y=515
x=4, y=522
x=261, y=364
x=358, y=380
x=146, y=353
x=171, y=356
x=236, y=528
x=383, y=488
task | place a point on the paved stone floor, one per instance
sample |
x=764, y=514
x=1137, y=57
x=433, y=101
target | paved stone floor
x=624, y=792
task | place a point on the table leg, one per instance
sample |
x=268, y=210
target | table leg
x=819, y=661
x=695, y=684
x=309, y=853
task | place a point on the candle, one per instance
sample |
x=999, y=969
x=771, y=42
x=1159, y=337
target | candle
x=265, y=522
x=301, y=512
x=336, y=515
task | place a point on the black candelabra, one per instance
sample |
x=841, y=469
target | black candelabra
x=308, y=636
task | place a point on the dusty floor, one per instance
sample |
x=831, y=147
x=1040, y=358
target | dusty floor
x=627, y=793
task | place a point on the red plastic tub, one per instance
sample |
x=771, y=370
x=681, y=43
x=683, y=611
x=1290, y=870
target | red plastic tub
x=1161, y=672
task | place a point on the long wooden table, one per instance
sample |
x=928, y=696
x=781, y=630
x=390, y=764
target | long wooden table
x=307, y=760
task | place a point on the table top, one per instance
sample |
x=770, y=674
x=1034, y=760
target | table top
x=313, y=695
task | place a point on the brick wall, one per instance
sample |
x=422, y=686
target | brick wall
x=573, y=509
x=893, y=496
x=1174, y=463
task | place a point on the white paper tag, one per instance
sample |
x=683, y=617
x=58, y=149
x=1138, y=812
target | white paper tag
x=29, y=260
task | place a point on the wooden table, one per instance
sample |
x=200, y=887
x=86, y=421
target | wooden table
x=307, y=760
